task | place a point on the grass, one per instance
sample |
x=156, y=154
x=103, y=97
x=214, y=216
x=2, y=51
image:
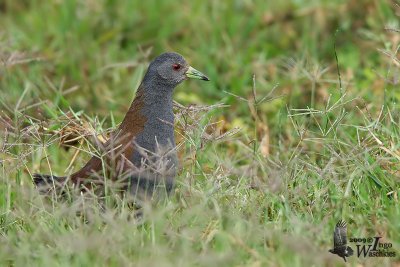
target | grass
x=310, y=150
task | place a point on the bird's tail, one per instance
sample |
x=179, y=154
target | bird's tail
x=349, y=251
x=48, y=183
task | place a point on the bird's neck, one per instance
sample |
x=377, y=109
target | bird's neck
x=158, y=106
x=150, y=115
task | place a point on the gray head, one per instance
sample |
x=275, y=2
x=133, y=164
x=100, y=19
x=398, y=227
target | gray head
x=171, y=69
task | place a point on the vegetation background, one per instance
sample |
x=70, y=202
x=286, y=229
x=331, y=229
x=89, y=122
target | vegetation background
x=264, y=178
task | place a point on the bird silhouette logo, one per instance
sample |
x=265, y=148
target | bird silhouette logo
x=340, y=247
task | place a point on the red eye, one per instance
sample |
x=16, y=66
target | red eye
x=176, y=66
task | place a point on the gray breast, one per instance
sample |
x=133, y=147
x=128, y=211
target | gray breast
x=154, y=155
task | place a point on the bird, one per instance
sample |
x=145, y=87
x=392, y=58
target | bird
x=141, y=152
x=340, y=247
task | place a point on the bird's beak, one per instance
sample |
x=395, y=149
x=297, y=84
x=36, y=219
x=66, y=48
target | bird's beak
x=195, y=74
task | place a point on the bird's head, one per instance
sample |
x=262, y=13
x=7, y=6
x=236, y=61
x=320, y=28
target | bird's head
x=172, y=69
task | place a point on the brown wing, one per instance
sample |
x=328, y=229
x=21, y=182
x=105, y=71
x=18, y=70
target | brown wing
x=119, y=143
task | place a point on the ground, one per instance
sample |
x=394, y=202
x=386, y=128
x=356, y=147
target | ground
x=297, y=129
